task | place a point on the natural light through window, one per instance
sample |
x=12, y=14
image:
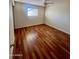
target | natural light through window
x=32, y=12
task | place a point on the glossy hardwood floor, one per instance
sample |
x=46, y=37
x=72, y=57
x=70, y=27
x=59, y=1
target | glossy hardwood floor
x=41, y=42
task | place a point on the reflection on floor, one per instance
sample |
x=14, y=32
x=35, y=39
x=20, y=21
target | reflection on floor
x=41, y=42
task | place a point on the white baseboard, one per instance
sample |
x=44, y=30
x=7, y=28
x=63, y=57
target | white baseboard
x=58, y=28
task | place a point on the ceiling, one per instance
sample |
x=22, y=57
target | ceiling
x=41, y=2
x=35, y=2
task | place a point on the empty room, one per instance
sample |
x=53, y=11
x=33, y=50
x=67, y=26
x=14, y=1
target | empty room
x=39, y=29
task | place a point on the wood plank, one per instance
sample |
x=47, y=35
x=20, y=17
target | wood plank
x=41, y=42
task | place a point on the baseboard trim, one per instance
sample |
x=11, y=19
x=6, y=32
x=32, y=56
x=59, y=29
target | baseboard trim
x=29, y=26
x=58, y=29
x=46, y=25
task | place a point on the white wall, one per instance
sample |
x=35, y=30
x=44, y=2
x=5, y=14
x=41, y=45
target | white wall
x=22, y=20
x=57, y=15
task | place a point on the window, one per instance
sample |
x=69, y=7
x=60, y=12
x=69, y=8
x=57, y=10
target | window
x=32, y=12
